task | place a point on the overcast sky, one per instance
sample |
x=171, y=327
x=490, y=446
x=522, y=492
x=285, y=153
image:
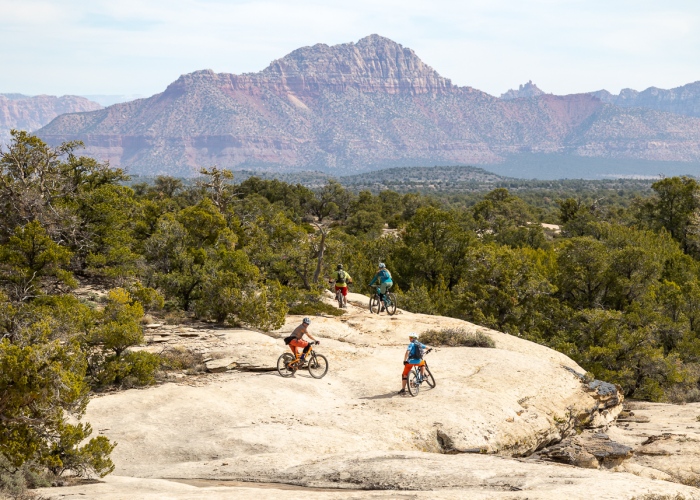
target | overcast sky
x=140, y=46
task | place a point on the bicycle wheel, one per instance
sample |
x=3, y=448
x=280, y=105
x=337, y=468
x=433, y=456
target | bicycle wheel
x=429, y=377
x=413, y=385
x=374, y=304
x=391, y=306
x=339, y=298
x=318, y=365
x=282, y=365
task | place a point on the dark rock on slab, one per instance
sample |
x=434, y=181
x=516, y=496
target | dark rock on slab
x=588, y=450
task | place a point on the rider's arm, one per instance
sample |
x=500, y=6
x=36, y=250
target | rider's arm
x=405, y=357
x=374, y=279
x=310, y=336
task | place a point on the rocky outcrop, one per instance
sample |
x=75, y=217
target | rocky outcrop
x=30, y=113
x=525, y=91
x=590, y=451
x=356, y=107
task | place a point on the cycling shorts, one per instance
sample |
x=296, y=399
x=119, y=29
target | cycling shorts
x=408, y=367
x=296, y=343
x=343, y=288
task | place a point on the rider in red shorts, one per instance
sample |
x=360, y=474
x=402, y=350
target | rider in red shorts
x=342, y=279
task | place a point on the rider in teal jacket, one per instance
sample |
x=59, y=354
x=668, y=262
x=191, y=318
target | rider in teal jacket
x=383, y=276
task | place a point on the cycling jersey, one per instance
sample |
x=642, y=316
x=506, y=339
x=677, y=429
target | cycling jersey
x=384, y=276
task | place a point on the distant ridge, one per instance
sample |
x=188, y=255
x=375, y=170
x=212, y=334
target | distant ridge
x=358, y=107
x=23, y=112
x=683, y=100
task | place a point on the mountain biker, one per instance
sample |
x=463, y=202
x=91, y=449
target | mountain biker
x=342, y=280
x=298, y=342
x=413, y=357
x=385, y=282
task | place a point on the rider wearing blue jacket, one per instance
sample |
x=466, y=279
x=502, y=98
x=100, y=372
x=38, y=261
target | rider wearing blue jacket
x=384, y=277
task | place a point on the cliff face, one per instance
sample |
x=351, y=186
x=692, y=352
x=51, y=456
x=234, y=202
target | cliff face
x=31, y=113
x=355, y=107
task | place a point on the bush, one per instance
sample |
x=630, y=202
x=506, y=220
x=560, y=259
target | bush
x=14, y=482
x=456, y=337
x=181, y=358
x=315, y=307
x=132, y=369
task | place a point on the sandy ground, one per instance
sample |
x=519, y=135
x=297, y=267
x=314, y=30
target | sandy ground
x=349, y=435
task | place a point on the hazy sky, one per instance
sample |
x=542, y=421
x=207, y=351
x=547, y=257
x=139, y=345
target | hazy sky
x=140, y=46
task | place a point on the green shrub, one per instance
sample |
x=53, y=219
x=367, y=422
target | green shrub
x=313, y=308
x=132, y=369
x=149, y=298
x=456, y=337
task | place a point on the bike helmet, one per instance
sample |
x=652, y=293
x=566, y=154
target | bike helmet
x=339, y=267
x=306, y=321
x=382, y=265
x=413, y=335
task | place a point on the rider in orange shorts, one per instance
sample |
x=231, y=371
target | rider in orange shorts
x=413, y=357
x=297, y=342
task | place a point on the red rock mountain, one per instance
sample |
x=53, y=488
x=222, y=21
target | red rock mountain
x=355, y=107
x=22, y=112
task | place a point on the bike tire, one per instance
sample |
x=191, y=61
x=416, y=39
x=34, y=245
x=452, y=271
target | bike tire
x=428, y=378
x=413, y=385
x=282, y=363
x=339, y=298
x=318, y=366
x=374, y=304
x=391, y=306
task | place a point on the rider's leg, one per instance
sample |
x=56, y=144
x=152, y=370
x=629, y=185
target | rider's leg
x=307, y=346
x=345, y=296
x=404, y=376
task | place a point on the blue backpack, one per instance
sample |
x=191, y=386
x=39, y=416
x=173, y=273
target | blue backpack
x=417, y=351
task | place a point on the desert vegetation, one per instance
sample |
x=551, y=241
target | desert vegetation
x=617, y=289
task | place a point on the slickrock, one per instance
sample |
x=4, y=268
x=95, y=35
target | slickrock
x=350, y=434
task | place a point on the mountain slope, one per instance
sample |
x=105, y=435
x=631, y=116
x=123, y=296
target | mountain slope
x=357, y=107
x=23, y=112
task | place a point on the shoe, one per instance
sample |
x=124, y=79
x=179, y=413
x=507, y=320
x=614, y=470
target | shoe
x=402, y=391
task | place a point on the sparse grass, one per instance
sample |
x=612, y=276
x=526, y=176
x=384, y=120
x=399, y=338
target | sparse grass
x=697, y=418
x=656, y=496
x=312, y=308
x=181, y=358
x=456, y=337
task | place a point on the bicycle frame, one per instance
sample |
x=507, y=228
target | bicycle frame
x=297, y=359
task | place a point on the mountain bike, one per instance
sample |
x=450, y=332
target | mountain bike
x=415, y=379
x=339, y=295
x=376, y=305
x=288, y=364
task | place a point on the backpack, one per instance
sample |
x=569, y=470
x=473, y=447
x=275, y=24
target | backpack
x=342, y=276
x=287, y=340
x=417, y=351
